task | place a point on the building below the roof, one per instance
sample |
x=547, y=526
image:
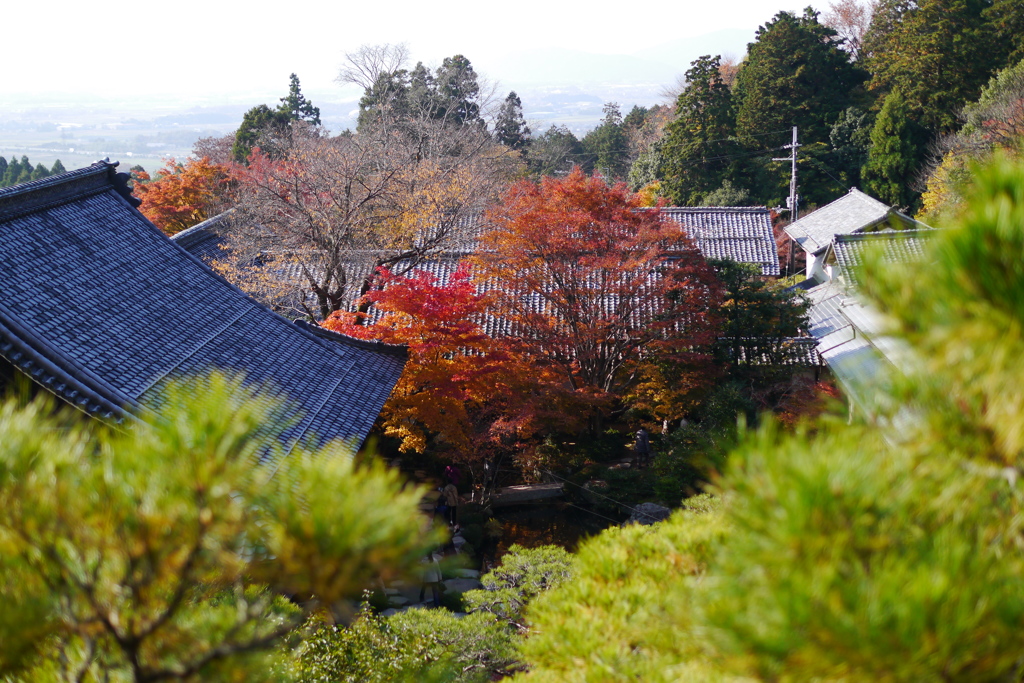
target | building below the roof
x=853, y=213
x=100, y=308
x=852, y=336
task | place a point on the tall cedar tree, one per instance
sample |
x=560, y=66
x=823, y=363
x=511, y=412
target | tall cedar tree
x=26, y=170
x=265, y=127
x=606, y=148
x=450, y=95
x=457, y=90
x=460, y=387
x=939, y=53
x=297, y=106
x=697, y=145
x=13, y=174
x=594, y=286
x=893, y=155
x=1007, y=19
x=796, y=74
x=510, y=127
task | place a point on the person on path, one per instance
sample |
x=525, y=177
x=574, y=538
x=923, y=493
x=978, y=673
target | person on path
x=450, y=496
x=642, y=448
x=431, y=577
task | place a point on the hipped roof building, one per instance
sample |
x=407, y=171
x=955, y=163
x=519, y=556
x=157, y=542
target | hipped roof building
x=101, y=309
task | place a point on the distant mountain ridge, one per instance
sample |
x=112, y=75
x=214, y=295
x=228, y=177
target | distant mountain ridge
x=563, y=86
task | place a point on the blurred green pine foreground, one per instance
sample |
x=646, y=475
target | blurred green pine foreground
x=164, y=552
x=888, y=550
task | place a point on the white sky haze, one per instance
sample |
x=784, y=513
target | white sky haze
x=190, y=47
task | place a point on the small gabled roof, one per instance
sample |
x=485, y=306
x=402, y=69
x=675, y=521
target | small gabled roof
x=742, y=234
x=897, y=246
x=100, y=307
x=207, y=240
x=851, y=213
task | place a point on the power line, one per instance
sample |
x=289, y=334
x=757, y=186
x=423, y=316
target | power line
x=628, y=507
x=824, y=168
x=613, y=521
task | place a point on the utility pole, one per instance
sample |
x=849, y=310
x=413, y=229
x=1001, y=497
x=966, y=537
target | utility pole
x=793, y=201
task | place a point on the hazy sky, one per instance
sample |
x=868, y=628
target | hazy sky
x=217, y=46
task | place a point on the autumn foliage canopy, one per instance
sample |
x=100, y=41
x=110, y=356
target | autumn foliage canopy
x=602, y=290
x=183, y=194
x=457, y=374
x=577, y=302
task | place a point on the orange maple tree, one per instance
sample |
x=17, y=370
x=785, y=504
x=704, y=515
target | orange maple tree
x=608, y=295
x=183, y=194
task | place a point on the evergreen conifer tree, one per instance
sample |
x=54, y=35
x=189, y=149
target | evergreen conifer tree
x=40, y=172
x=795, y=75
x=263, y=127
x=25, y=174
x=697, y=143
x=260, y=126
x=3, y=170
x=296, y=106
x=1007, y=20
x=457, y=89
x=13, y=172
x=892, y=158
x=606, y=147
x=57, y=168
x=510, y=128
x=939, y=53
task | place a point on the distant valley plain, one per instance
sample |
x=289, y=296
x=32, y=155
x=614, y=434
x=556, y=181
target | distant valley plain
x=557, y=87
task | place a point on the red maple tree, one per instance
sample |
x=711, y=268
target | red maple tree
x=604, y=293
x=460, y=386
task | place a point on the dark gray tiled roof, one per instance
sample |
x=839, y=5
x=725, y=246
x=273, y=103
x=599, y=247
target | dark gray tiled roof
x=207, y=240
x=789, y=352
x=897, y=246
x=853, y=212
x=95, y=300
x=742, y=234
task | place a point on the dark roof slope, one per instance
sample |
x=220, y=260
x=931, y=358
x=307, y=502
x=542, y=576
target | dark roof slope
x=742, y=234
x=897, y=246
x=207, y=240
x=100, y=307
